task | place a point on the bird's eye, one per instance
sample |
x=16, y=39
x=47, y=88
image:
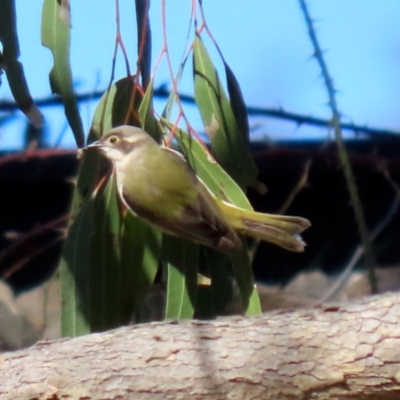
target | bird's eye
x=113, y=139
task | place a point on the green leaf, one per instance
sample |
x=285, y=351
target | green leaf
x=13, y=68
x=237, y=103
x=227, y=142
x=171, y=98
x=114, y=108
x=222, y=185
x=90, y=256
x=56, y=36
x=75, y=260
x=73, y=320
x=140, y=254
x=146, y=115
x=126, y=102
x=182, y=267
x=109, y=262
x=101, y=122
x=245, y=280
x=213, y=300
x=104, y=269
x=210, y=172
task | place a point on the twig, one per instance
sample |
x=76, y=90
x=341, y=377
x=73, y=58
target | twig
x=340, y=282
x=58, y=224
x=301, y=184
x=343, y=155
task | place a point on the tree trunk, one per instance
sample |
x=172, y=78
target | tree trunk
x=340, y=351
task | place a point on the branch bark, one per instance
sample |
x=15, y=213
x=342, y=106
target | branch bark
x=336, y=351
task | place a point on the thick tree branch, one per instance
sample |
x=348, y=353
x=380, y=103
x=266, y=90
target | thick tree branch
x=331, y=352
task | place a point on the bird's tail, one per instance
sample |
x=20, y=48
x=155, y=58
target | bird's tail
x=281, y=230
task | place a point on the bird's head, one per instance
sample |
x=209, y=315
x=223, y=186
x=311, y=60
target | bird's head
x=121, y=141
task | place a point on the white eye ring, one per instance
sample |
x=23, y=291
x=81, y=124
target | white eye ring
x=113, y=139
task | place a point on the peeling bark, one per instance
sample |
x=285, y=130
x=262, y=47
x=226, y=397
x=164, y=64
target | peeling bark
x=337, y=351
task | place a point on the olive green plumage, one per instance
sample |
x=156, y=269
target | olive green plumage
x=158, y=185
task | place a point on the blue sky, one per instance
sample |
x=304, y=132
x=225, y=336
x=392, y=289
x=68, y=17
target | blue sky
x=264, y=41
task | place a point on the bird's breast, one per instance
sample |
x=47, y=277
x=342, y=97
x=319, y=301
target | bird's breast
x=150, y=186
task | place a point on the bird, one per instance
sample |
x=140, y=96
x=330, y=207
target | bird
x=157, y=184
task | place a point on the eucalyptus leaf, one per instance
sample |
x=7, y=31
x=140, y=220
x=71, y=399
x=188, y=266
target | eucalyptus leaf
x=220, y=124
x=171, y=98
x=237, y=103
x=245, y=280
x=126, y=102
x=140, y=254
x=102, y=117
x=182, y=261
x=144, y=39
x=208, y=169
x=56, y=36
x=214, y=299
x=146, y=115
x=75, y=260
x=222, y=186
x=13, y=68
x=105, y=271
x=110, y=270
x=112, y=109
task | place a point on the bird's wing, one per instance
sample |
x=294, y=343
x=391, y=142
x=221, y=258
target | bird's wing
x=203, y=216
x=201, y=220
x=205, y=220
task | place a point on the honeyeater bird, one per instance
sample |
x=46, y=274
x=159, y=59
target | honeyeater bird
x=158, y=185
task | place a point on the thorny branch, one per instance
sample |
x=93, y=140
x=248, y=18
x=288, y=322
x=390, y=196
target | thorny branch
x=342, y=151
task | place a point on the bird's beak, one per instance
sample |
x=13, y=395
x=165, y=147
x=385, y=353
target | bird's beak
x=94, y=144
x=89, y=146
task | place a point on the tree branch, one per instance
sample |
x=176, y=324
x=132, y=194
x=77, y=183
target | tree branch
x=277, y=113
x=332, y=352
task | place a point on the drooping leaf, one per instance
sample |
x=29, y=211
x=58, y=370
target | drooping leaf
x=125, y=103
x=245, y=280
x=91, y=268
x=105, y=272
x=214, y=299
x=182, y=261
x=179, y=255
x=236, y=99
x=13, y=68
x=115, y=108
x=56, y=36
x=140, y=254
x=222, y=185
x=210, y=172
x=227, y=142
x=144, y=39
x=108, y=277
x=237, y=103
x=101, y=122
x=166, y=114
x=75, y=260
x=146, y=115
